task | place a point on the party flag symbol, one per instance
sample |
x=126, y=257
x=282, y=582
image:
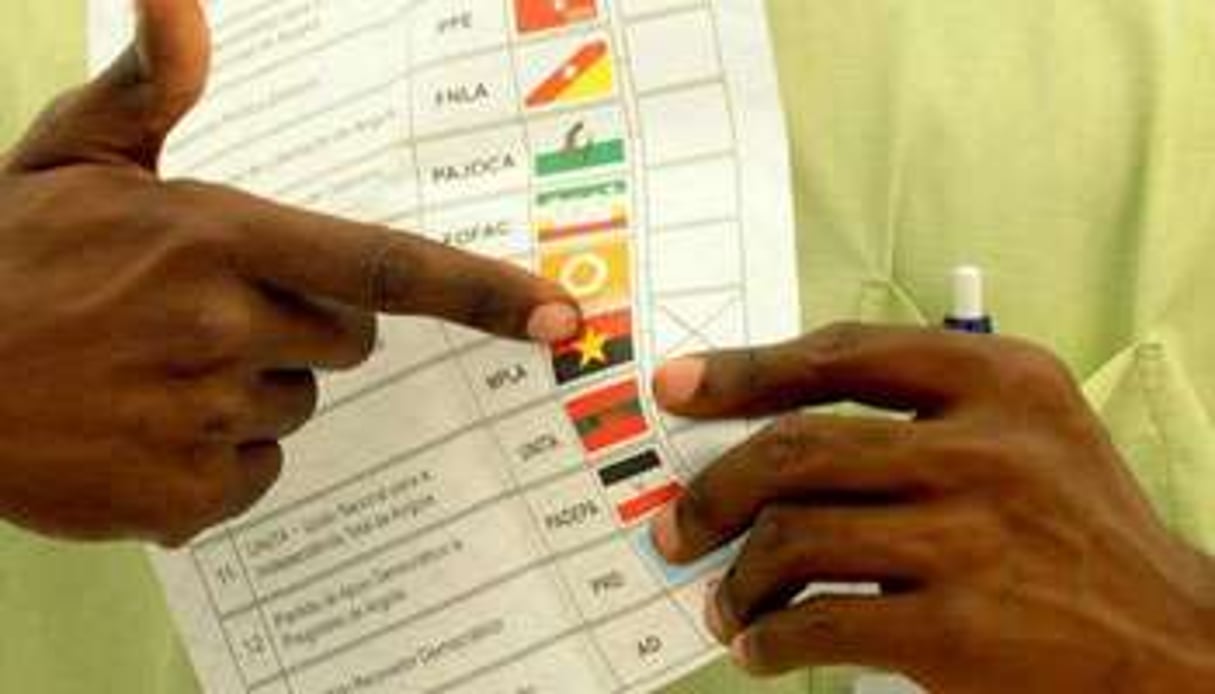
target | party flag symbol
x=639, y=485
x=588, y=74
x=606, y=342
x=582, y=210
x=579, y=151
x=543, y=15
x=598, y=275
x=648, y=502
x=633, y=468
x=609, y=416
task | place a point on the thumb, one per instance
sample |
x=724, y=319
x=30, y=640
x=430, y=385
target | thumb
x=125, y=114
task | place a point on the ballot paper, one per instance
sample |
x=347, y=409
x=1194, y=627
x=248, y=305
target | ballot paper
x=468, y=514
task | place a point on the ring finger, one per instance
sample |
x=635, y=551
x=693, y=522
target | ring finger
x=791, y=547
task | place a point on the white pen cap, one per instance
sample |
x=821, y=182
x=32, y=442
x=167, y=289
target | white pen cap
x=968, y=293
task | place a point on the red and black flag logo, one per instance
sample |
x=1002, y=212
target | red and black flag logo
x=639, y=486
x=606, y=341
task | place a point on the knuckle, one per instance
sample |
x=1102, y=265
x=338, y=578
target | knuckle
x=821, y=626
x=775, y=530
x=391, y=271
x=832, y=344
x=971, y=538
x=221, y=415
x=821, y=352
x=948, y=540
x=976, y=364
x=789, y=446
x=748, y=374
x=967, y=461
x=841, y=337
x=223, y=330
x=154, y=418
x=486, y=307
x=786, y=439
x=205, y=238
x=1032, y=369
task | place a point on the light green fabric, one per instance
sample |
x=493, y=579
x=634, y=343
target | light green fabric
x=1066, y=146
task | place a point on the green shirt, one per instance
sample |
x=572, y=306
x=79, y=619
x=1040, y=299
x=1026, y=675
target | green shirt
x=1066, y=147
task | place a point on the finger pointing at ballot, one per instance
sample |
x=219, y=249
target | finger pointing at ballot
x=161, y=336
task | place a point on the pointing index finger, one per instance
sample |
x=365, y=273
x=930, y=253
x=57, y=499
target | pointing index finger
x=388, y=271
x=903, y=369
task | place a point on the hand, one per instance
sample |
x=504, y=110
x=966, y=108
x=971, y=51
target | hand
x=157, y=338
x=1015, y=551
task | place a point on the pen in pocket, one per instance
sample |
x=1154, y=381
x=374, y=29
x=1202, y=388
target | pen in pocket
x=969, y=314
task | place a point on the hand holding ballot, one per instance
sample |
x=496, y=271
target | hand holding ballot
x=963, y=515
x=161, y=336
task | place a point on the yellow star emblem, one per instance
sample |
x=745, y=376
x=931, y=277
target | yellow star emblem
x=591, y=346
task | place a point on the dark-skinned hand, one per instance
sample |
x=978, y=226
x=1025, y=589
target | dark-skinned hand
x=1015, y=551
x=158, y=338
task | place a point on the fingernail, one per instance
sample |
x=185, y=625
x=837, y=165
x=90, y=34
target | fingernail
x=554, y=322
x=713, y=617
x=678, y=381
x=665, y=533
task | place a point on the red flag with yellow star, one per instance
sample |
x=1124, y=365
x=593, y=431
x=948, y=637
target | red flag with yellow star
x=606, y=341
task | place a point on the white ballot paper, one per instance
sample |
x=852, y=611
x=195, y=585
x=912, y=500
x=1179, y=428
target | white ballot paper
x=468, y=514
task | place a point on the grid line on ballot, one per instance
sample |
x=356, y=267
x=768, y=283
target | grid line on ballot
x=714, y=80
